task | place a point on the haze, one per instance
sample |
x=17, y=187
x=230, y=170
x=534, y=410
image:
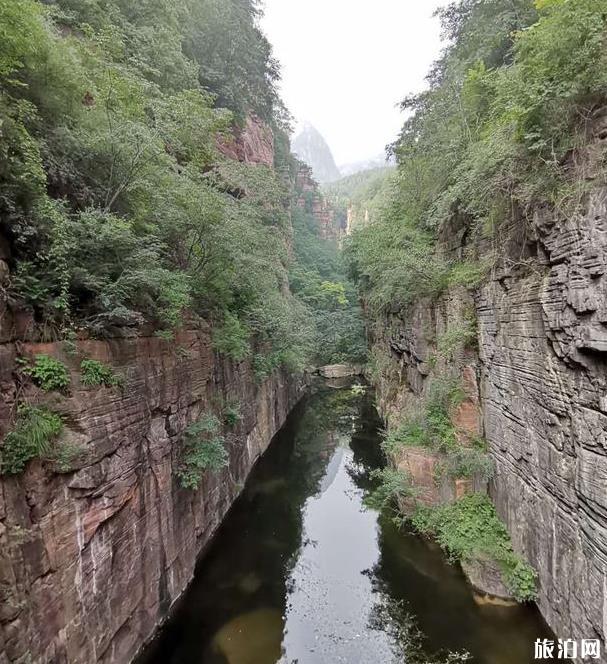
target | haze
x=346, y=65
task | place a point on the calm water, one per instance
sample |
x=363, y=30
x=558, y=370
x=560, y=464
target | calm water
x=301, y=572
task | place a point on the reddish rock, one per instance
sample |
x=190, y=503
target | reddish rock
x=431, y=486
x=251, y=144
x=310, y=198
x=92, y=560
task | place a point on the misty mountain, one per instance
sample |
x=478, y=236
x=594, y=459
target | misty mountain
x=311, y=147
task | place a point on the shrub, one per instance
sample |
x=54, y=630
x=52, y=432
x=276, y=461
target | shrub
x=48, y=373
x=470, y=529
x=468, y=274
x=203, y=449
x=460, y=336
x=264, y=365
x=411, y=433
x=95, y=373
x=467, y=462
x=432, y=427
x=231, y=414
x=392, y=485
x=35, y=430
x=232, y=339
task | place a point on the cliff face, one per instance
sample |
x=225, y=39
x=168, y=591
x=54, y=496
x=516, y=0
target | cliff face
x=539, y=377
x=542, y=349
x=251, y=144
x=91, y=560
x=310, y=199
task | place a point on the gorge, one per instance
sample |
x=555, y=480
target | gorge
x=173, y=280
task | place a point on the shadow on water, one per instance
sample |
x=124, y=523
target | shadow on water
x=301, y=571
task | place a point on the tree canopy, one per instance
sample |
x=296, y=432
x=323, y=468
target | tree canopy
x=511, y=97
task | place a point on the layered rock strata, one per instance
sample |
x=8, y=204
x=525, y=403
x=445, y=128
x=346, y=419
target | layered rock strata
x=541, y=374
x=92, y=559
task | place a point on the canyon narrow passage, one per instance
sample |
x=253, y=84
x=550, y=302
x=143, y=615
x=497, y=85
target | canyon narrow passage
x=302, y=571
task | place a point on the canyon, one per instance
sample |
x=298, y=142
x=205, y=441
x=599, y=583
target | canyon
x=174, y=281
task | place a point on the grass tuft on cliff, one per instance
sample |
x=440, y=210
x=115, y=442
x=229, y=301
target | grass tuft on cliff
x=95, y=374
x=33, y=436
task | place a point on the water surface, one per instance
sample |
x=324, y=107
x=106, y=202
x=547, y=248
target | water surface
x=302, y=572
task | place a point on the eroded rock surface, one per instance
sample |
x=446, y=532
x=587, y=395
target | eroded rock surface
x=251, y=144
x=544, y=383
x=541, y=383
x=91, y=560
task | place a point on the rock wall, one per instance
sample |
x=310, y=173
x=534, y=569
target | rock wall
x=92, y=560
x=310, y=199
x=539, y=378
x=251, y=144
x=543, y=343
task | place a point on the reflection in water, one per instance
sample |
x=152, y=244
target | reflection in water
x=301, y=572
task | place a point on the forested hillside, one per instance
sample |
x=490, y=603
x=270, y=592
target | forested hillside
x=319, y=278
x=360, y=198
x=118, y=206
x=494, y=136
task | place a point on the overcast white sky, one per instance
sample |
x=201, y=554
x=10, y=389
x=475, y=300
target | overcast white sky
x=347, y=63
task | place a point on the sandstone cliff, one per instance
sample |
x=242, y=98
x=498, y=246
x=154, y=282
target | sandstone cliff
x=310, y=199
x=93, y=556
x=537, y=377
x=91, y=560
x=251, y=144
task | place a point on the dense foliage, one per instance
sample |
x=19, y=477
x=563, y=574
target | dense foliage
x=319, y=279
x=116, y=204
x=203, y=448
x=470, y=529
x=508, y=102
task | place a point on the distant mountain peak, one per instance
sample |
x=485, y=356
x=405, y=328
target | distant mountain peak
x=310, y=146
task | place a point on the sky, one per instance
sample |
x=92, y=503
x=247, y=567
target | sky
x=347, y=63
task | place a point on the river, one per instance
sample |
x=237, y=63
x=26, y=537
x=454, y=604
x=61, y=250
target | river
x=302, y=572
